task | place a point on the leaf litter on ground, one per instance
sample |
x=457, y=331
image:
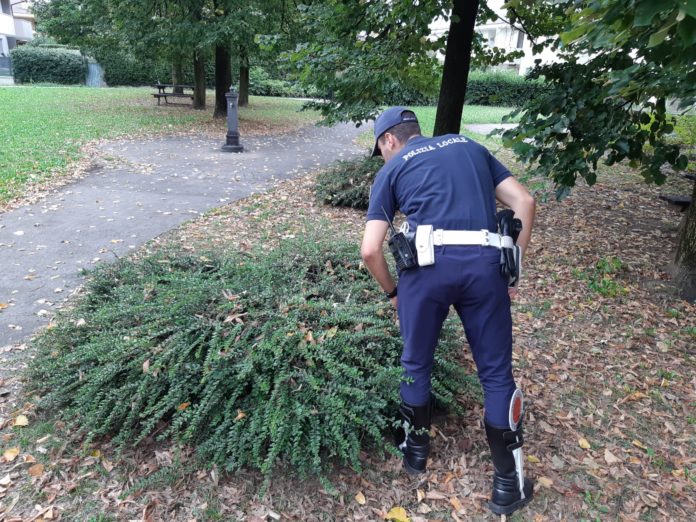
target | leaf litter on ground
x=604, y=352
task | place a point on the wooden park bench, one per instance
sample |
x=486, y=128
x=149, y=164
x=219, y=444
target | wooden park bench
x=679, y=202
x=177, y=91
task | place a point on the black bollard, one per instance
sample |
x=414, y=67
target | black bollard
x=232, y=142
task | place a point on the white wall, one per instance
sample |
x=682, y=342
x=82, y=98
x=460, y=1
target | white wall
x=23, y=29
x=7, y=26
x=502, y=35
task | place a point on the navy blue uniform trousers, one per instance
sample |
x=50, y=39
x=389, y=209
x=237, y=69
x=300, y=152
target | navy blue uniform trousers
x=468, y=278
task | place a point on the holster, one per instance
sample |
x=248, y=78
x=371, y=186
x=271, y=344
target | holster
x=510, y=254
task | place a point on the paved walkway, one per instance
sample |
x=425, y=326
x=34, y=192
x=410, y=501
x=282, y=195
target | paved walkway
x=485, y=128
x=162, y=183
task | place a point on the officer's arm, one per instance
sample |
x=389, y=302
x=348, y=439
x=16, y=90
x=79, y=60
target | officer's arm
x=373, y=255
x=513, y=194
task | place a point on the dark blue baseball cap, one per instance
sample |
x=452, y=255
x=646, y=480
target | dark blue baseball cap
x=389, y=118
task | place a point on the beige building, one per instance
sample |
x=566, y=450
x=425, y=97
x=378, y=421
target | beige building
x=16, y=28
x=499, y=33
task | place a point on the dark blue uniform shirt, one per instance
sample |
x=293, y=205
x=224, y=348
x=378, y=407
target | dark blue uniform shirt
x=447, y=181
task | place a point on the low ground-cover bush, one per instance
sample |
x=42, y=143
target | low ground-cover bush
x=31, y=64
x=289, y=357
x=347, y=184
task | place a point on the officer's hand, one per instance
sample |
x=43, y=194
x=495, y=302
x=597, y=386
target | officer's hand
x=394, y=302
x=512, y=292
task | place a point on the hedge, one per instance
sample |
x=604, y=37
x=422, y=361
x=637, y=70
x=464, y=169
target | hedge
x=47, y=64
x=256, y=359
x=122, y=68
x=262, y=84
x=500, y=88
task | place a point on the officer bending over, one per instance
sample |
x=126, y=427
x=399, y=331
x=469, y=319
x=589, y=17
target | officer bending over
x=447, y=187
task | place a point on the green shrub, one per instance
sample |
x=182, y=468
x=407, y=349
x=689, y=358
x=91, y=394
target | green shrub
x=500, y=88
x=262, y=84
x=256, y=359
x=48, y=65
x=399, y=93
x=44, y=41
x=348, y=183
x=124, y=69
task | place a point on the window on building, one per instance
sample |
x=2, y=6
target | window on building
x=5, y=7
x=520, y=40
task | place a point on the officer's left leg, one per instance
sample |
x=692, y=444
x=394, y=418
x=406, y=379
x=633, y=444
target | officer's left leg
x=423, y=307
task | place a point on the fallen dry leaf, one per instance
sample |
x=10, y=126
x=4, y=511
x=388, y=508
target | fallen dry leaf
x=21, y=420
x=240, y=415
x=360, y=498
x=639, y=444
x=10, y=454
x=610, y=458
x=36, y=470
x=397, y=514
x=584, y=444
x=533, y=459
x=183, y=406
x=545, y=482
x=456, y=504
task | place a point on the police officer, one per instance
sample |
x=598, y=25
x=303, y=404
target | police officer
x=451, y=183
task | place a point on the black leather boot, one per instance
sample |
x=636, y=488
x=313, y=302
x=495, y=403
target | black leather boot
x=413, y=438
x=506, y=496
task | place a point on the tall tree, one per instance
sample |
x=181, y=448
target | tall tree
x=620, y=63
x=223, y=79
x=455, y=73
x=360, y=53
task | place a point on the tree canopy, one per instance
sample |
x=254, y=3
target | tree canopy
x=620, y=64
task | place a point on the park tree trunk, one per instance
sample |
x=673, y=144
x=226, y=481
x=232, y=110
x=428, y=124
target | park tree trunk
x=223, y=79
x=455, y=73
x=243, y=78
x=199, y=79
x=686, y=253
x=177, y=73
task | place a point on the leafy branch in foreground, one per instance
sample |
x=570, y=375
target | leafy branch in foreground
x=286, y=357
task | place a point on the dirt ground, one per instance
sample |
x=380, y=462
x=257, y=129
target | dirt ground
x=604, y=351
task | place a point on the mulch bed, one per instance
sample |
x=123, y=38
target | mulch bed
x=604, y=351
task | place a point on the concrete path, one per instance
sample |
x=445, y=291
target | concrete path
x=485, y=128
x=161, y=183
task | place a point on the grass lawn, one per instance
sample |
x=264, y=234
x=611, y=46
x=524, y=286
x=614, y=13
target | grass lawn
x=43, y=128
x=471, y=114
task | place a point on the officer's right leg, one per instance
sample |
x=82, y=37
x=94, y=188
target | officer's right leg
x=485, y=311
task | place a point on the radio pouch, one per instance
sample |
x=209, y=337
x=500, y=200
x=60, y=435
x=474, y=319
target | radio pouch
x=425, y=249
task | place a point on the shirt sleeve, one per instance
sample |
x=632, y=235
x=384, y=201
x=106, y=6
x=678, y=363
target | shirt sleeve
x=381, y=197
x=499, y=172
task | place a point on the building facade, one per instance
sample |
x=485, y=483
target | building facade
x=16, y=28
x=499, y=33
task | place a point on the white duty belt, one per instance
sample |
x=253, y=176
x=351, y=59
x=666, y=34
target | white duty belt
x=471, y=237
